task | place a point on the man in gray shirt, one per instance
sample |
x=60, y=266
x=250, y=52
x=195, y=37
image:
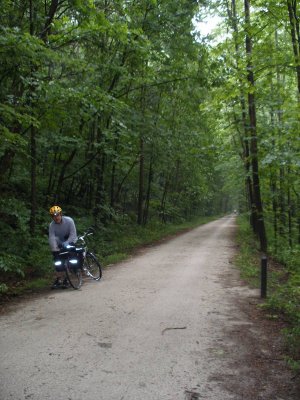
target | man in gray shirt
x=62, y=231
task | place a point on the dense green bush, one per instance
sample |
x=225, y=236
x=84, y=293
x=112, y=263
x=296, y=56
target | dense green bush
x=11, y=264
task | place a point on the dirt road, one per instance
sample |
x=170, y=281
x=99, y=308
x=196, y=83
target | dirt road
x=166, y=324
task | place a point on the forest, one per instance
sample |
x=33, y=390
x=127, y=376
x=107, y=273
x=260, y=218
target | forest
x=125, y=115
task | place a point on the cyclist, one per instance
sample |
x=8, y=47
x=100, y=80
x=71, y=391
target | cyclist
x=62, y=231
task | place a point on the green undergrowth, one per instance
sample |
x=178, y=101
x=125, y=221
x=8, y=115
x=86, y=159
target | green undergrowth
x=247, y=257
x=283, y=285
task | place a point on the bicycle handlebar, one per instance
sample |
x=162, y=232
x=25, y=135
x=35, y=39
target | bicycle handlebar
x=85, y=234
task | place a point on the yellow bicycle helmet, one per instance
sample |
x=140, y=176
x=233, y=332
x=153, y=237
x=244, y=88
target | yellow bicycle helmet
x=55, y=210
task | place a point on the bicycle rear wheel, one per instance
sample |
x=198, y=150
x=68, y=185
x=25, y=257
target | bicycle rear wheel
x=74, y=276
x=92, y=267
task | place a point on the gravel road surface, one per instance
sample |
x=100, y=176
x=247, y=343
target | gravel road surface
x=157, y=326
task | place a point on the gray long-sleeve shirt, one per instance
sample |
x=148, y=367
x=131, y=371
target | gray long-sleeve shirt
x=59, y=233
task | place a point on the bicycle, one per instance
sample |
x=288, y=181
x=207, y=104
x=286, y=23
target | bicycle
x=75, y=259
x=67, y=260
x=91, y=266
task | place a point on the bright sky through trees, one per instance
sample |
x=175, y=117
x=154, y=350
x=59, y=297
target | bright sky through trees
x=208, y=26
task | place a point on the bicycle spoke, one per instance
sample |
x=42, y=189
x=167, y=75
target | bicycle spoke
x=74, y=276
x=92, y=267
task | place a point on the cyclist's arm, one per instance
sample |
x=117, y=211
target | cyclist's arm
x=52, y=239
x=73, y=234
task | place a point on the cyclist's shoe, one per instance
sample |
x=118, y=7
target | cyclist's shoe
x=65, y=284
x=56, y=284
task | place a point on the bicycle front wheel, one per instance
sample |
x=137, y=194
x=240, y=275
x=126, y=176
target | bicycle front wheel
x=92, y=267
x=74, y=276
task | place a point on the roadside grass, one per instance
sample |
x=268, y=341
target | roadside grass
x=246, y=259
x=33, y=285
x=283, y=286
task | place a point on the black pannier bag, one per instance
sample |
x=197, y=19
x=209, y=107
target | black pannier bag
x=74, y=254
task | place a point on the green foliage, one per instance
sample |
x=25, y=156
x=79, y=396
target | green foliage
x=14, y=214
x=38, y=260
x=3, y=288
x=11, y=264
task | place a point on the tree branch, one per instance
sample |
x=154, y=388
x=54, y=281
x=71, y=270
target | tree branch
x=154, y=85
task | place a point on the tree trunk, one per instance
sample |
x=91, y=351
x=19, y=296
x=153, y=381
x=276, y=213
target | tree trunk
x=51, y=179
x=290, y=206
x=294, y=25
x=163, y=202
x=258, y=208
x=274, y=208
x=244, y=138
x=99, y=173
x=141, y=184
x=49, y=20
x=33, y=201
x=120, y=186
x=6, y=163
x=33, y=151
x=282, y=202
x=273, y=181
x=295, y=36
x=62, y=173
x=298, y=216
x=113, y=172
x=150, y=178
x=32, y=142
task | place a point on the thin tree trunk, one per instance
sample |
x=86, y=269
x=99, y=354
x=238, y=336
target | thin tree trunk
x=33, y=150
x=163, y=202
x=6, y=163
x=258, y=211
x=141, y=184
x=33, y=201
x=298, y=214
x=294, y=18
x=244, y=138
x=49, y=20
x=51, y=177
x=62, y=173
x=294, y=25
x=140, y=209
x=274, y=208
x=282, y=202
x=113, y=172
x=273, y=182
x=290, y=206
x=99, y=174
x=100, y=196
x=120, y=186
x=150, y=178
